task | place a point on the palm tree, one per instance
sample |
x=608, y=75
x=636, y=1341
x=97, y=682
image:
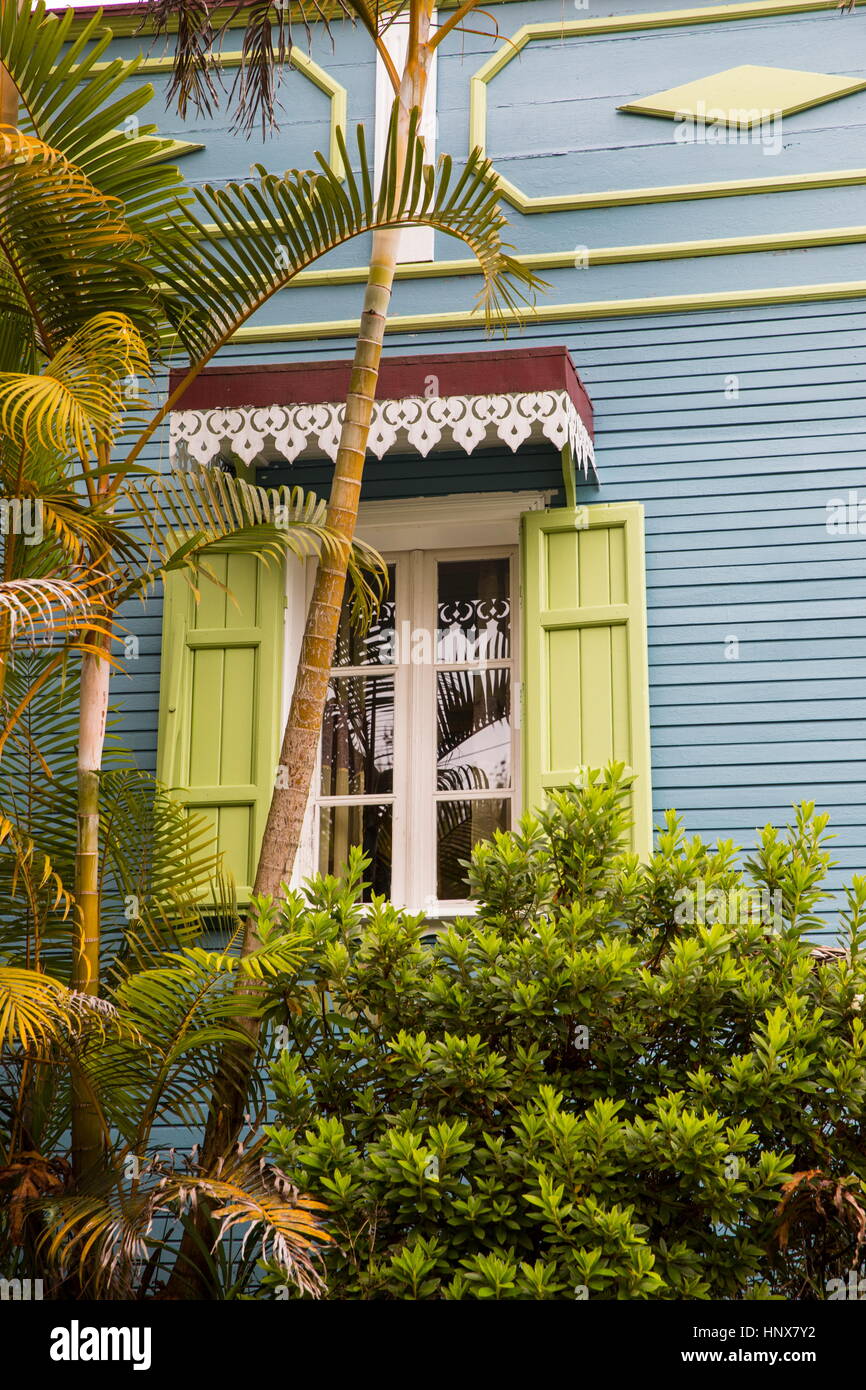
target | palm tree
x=267, y=43
x=89, y=219
x=506, y=284
x=144, y=1055
x=68, y=249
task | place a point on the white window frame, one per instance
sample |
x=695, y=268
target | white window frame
x=418, y=534
x=416, y=243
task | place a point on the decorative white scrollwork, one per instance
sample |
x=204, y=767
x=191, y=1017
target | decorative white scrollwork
x=419, y=423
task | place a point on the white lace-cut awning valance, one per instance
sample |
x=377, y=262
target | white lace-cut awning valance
x=425, y=402
x=415, y=424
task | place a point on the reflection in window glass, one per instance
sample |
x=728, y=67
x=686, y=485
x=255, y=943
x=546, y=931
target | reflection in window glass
x=376, y=646
x=358, y=736
x=368, y=826
x=473, y=610
x=474, y=729
x=455, y=654
x=459, y=826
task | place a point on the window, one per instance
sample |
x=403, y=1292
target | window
x=419, y=754
x=421, y=739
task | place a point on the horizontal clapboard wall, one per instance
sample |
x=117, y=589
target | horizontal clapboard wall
x=735, y=488
x=735, y=430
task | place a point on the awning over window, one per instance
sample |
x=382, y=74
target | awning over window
x=441, y=401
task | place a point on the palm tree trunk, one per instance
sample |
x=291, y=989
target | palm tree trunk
x=300, y=743
x=93, y=698
x=304, y=726
x=303, y=729
x=93, y=708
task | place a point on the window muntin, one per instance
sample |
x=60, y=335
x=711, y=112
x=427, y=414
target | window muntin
x=419, y=746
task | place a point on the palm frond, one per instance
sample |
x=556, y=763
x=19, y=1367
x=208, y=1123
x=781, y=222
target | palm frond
x=75, y=526
x=186, y=1007
x=39, y=802
x=186, y=1012
x=103, y=1238
x=261, y=1198
x=38, y=611
x=80, y=397
x=161, y=874
x=32, y=1007
x=267, y=43
x=161, y=877
x=33, y=873
x=84, y=107
x=269, y=38
x=194, y=71
x=17, y=338
x=53, y=526
x=265, y=48
x=268, y=230
x=69, y=247
x=181, y=514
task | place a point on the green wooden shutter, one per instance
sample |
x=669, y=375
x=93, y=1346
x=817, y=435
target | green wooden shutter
x=219, y=709
x=586, y=697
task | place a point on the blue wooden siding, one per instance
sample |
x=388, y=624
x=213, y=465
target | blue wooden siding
x=554, y=128
x=735, y=495
x=735, y=489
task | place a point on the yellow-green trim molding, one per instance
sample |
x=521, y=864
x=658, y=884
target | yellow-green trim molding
x=625, y=23
x=560, y=313
x=732, y=97
x=302, y=62
x=674, y=193
x=171, y=149
x=601, y=255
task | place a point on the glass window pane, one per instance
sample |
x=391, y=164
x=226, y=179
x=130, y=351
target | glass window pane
x=358, y=736
x=474, y=610
x=459, y=826
x=376, y=646
x=473, y=716
x=367, y=826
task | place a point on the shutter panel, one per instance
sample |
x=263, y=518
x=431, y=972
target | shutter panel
x=220, y=696
x=585, y=651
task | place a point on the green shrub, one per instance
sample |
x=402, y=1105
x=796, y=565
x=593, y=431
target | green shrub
x=618, y=1080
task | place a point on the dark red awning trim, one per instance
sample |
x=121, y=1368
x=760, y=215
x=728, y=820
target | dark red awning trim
x=499, y=372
